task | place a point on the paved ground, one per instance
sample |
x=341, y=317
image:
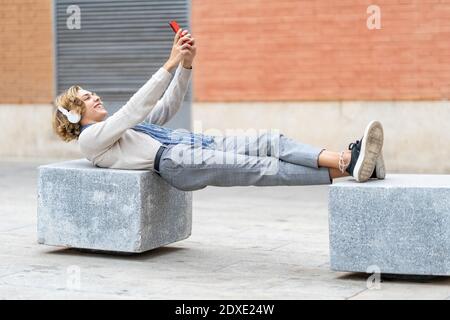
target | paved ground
x=247, y=243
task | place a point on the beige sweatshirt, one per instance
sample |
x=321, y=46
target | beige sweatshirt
x=112, y=144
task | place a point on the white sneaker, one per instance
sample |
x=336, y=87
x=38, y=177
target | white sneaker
x=367, y=153
x=380, y=169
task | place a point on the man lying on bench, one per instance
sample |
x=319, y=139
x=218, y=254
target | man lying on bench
x=134, y=138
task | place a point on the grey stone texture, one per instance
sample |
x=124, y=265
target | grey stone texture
x=400, y=225
x=246, y=243
x=84, y=206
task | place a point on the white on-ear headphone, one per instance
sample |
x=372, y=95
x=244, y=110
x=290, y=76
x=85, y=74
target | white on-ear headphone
x=71, y=116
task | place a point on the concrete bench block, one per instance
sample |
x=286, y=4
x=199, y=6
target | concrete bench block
x=88, y=207
x=400, y=225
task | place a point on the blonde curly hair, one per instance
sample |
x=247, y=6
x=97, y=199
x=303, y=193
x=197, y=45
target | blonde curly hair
x=66, y=130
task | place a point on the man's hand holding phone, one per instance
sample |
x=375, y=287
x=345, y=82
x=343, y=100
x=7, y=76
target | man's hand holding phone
x=183, y=49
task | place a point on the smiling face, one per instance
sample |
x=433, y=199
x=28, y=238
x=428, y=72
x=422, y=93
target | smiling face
x=95, y=111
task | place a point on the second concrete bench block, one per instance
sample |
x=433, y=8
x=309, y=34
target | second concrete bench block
x=400, y=225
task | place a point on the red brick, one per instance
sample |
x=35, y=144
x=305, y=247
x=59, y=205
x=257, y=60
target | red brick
x=27, y=58
x=265, y=50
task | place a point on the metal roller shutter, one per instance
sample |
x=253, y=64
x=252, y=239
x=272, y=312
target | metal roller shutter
x=119, y=46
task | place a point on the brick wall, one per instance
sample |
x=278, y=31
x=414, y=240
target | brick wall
x=283, y=50
x=26, y=52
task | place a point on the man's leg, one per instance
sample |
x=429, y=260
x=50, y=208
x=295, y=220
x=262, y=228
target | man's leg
x=272, y=144
x=192, y=168
x=284, y=148
x=360, y=160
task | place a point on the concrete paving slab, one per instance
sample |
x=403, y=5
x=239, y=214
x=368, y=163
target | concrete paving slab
x=246, y=243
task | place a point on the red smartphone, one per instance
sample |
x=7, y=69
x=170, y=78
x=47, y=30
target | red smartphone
x=174, y=25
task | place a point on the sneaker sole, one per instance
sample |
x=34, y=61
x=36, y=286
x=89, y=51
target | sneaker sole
x=370, y=151
x=380, y=167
